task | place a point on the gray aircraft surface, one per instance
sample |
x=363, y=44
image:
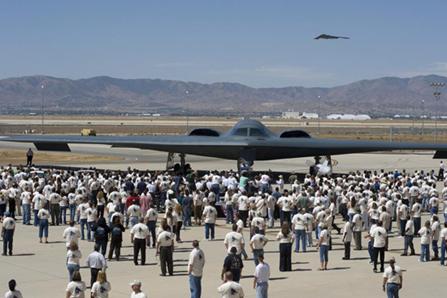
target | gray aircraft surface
x=327, y=36
x=248, y=141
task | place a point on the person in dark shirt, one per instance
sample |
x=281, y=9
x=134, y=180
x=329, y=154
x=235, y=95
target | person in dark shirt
x=117, y=230
x=101, y=235
x=233, y=263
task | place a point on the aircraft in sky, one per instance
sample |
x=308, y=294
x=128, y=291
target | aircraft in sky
x=247, y=141
x=327, y=36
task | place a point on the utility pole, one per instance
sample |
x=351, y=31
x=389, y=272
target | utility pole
x=437, y=94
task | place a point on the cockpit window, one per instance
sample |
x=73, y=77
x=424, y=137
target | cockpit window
x=243, y=132
x=254, y=132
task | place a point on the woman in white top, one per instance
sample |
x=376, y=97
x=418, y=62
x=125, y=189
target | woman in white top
x=73, y=257
x=323, y=246
x=285, y=238
x=76, y=287
x=101, y=287
x=43, y=216
x=425, y=233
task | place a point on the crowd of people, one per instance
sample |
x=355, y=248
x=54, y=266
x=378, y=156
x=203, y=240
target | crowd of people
x=99, y=206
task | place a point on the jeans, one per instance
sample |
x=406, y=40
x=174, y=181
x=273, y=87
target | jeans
x=26, y=213
x=83, y=224
x=324, y=253
x=434, y=247
x=43, y=228
x=151, y=226
x=443, y=250
x=209, y=227
x=229, y=215
x=392, y=290
x=403, y=223
x=347, y=246
x=309, y=239
x=63, y=215
x=379, y=252
x=256, y=254
x=271, y=215
x=187, y=217
x=115, y=246
x=72, y=208
x=300, y=235
x=417, y=223
x=408, y=242
x=90, y=225
x=55, y=213
x=358, y=239
x=7, y=241
x=36, y=218
x=133, y=220
x=72, y=268
x=262, y=290
x=425, y=253
x=102, y=246
x=195, y=286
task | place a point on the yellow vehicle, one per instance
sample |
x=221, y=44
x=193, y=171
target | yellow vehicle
x=88, y=132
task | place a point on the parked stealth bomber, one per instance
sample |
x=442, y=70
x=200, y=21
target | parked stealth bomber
x=246, y=142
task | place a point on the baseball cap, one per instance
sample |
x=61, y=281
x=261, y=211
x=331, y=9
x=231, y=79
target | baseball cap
x=135, y=283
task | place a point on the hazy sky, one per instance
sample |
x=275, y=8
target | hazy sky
x=258, y=43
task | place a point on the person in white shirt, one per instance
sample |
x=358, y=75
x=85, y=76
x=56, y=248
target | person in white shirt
x=209, y=214
x=435, y=230
x=96, y=262
x=82, y=214
x=425, y=233
x=286, y=204
x=136, y=290
x=101, y=287
x=76, y=287
x=443, y=238
x=138, y=236
x=392, y=279
x=73, y=259
x=299, y=225
x=195, y=270
x=257, y=243
x=230, y=289
x=43, y=216
x=26, y=207
x=165, y=248
x=13, y=293
x=71, y=233
x=8, y=228
x=234, y=239
x=409, y=235
x=379, y=237
x=347, y=238
x=323, y=247
x=261, y=278
x=357, y=229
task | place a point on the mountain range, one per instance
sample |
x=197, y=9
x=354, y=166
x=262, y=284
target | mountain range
x=106, y=95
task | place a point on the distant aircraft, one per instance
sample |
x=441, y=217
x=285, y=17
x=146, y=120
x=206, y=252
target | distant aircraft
x=327, y=36
x=247, y=141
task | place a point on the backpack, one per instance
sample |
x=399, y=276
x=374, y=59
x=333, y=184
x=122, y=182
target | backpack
x=100, y=233
x=116, y=232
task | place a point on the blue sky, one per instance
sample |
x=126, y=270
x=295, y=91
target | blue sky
x=258, y=43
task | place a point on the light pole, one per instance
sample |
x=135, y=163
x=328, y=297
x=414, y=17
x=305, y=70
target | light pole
x=319, y=114
x=187, y=112
x=437, y=94
x=42, y=86
x=423, y=118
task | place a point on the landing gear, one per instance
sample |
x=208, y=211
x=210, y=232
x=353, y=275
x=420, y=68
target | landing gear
x=183, y=167
x=322, y=167
x=244, y=165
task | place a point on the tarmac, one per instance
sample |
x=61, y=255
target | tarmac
x=40, y=269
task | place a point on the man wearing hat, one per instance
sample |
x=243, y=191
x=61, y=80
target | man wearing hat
x=136, y=290
x=8, y=228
